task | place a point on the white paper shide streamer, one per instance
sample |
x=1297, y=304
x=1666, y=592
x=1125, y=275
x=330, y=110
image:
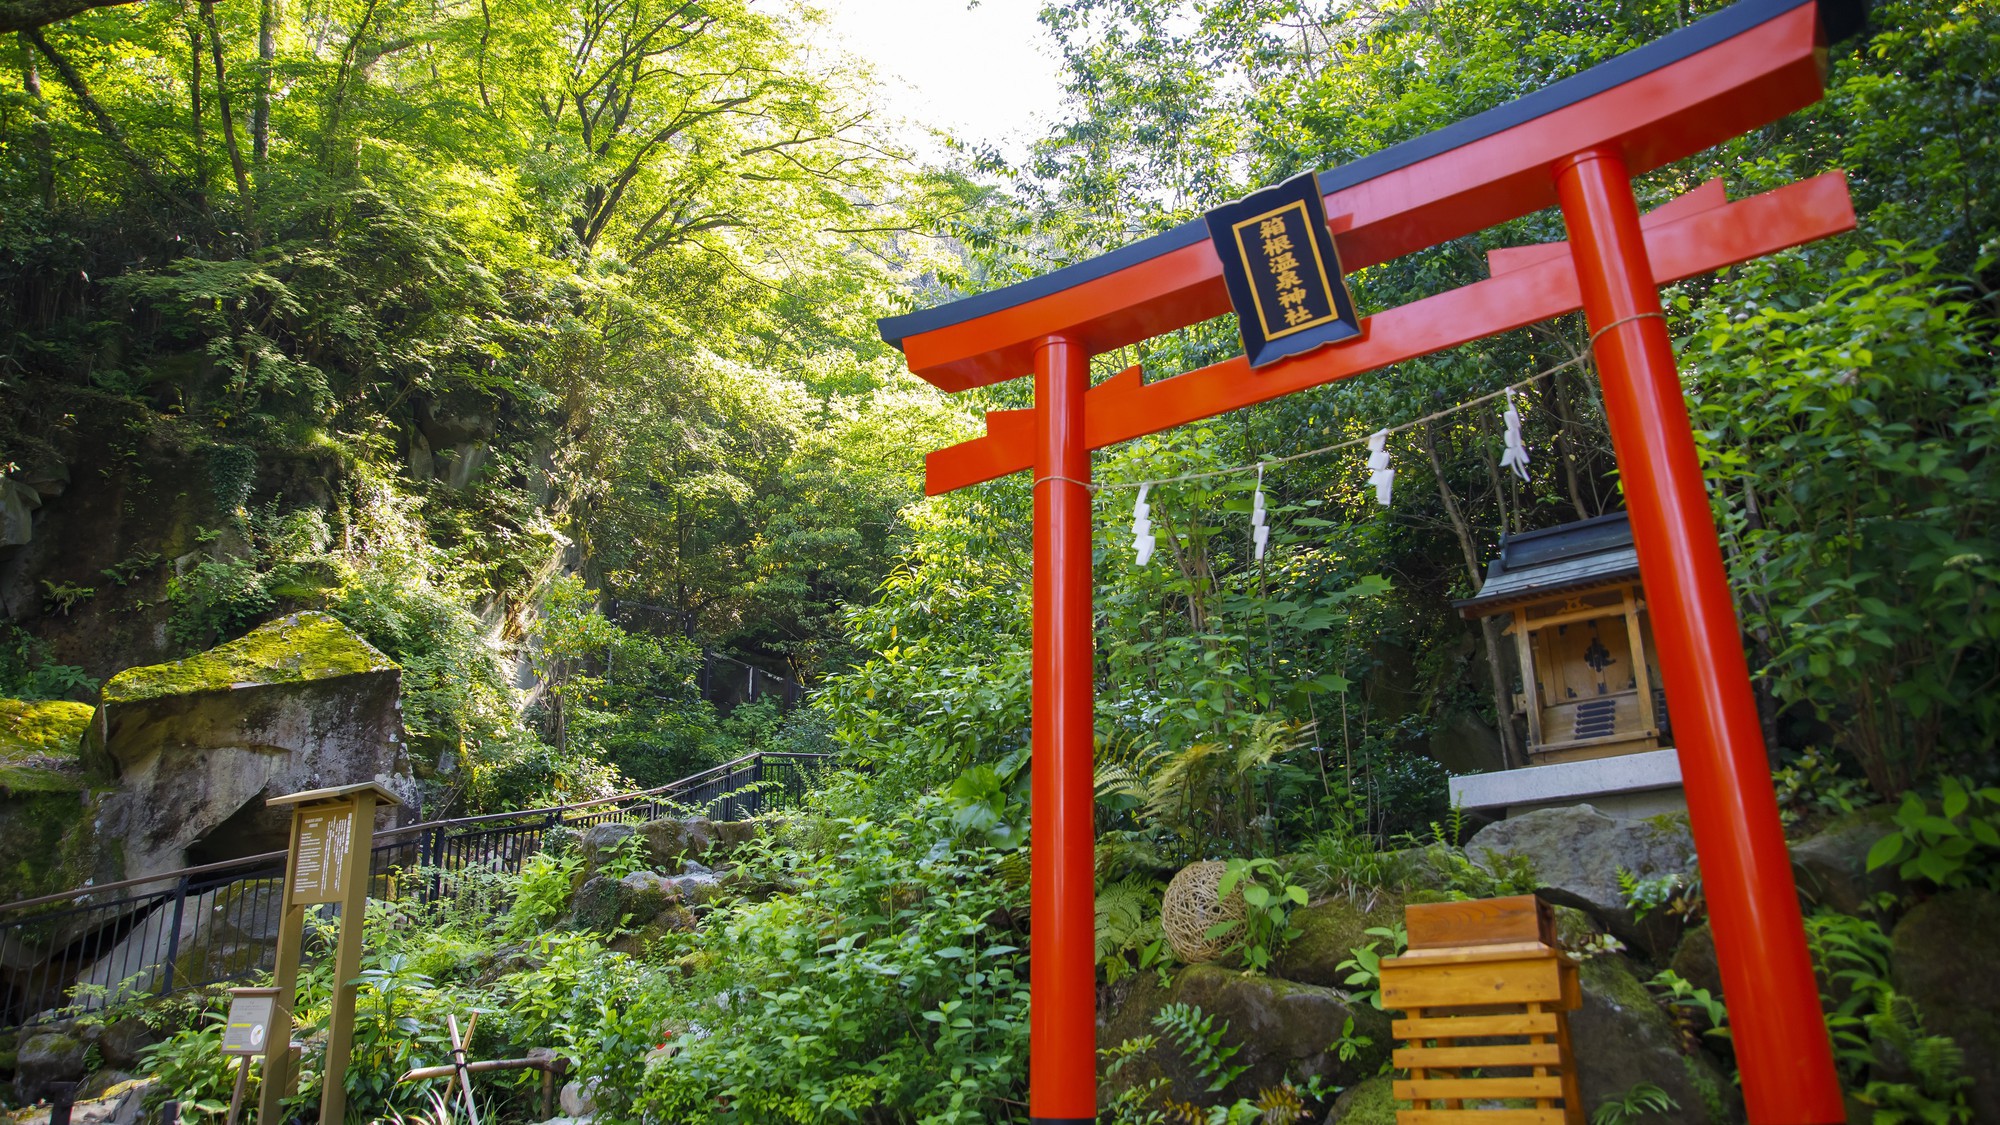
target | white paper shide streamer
x=1260, y=532
x=1142, y=527
x=1515, y=456
x=1379, y=473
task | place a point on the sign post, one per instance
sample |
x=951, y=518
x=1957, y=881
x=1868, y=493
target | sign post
x=332, y=830
x=244, y=1036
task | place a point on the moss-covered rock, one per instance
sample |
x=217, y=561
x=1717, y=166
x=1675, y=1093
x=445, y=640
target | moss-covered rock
x=46, y=837
x=1370, y=1103
x=39, y=743
x=1329, y=932
x=1694, y=959
x=1831, y=865
x=46, y=1060
x=197, y=747
x=294, y=649
x=1944, y=951
x=1282, y=1029
x=1623, y=1037
x=48, y=843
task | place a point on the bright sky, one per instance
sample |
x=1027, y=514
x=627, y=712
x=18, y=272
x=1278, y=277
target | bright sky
x=985, y=73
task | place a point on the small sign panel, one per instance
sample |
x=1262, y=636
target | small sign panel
x=249, y=1027
x=323, y=837
x=1283, y=273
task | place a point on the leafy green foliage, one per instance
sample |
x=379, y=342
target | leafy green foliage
x=1364, y=963
x=1847, y=437
x=1268, y=899
x=27, y=670
x=884, y=977
x=1879, y=1040
x=1641, y=1101
x=1683, y=999
x=1956, y=844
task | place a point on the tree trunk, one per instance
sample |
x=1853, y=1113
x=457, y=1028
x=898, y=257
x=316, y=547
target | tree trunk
x=198, y=128
x=228, y=121
x=260, y=111
x=1567, y=449
x=1489, y=628
x=105, y=124
x=45, y=157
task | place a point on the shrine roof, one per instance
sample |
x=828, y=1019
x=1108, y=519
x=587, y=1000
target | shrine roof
x=1555, y=560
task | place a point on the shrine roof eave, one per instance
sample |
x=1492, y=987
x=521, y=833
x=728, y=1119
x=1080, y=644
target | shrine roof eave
x=1378, y=212
x=1567, y=576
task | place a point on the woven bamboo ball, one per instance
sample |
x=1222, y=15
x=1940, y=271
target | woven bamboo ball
x=1193, y=903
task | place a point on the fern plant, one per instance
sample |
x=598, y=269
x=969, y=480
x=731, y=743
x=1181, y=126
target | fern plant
x=1200, y=1043
x=1935, y=1091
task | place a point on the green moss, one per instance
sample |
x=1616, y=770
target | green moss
x=1371, y=1103
x=303, y=646
x=1328, y=933
x=1611, y=976
x=48, y=842
x=38, y=745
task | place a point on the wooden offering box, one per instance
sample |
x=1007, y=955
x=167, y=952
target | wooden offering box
x=1484, y=989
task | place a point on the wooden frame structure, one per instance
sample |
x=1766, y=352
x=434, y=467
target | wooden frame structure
x=1575, y=145
x=1484, y=987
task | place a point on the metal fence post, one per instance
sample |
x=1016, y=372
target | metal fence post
x=174, y=935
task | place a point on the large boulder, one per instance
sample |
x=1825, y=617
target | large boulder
x=18, y=502
x=1329, y=932
x=1695, y=960
x=670, y=842
x=1831, y=866
x=47, y=1060
x=1622, y=1037
x=1944, y=951
x=1282, y=1028
x=601, y=843
x=1578, y=853
x=197, y=746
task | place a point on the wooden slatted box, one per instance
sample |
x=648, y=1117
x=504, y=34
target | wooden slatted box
x=1484, y=989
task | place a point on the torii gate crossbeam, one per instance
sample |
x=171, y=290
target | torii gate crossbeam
x=1576, y=145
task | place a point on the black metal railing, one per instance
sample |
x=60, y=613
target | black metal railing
x=206, y=925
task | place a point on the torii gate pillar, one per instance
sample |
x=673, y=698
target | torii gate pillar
x=1062, y=955
x=1746, y=869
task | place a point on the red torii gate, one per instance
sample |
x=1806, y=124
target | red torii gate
x=1575, y=144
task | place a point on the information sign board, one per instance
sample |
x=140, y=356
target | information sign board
x=323, y=837
x=249, y=1026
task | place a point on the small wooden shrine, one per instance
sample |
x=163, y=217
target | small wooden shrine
x=1589, y=680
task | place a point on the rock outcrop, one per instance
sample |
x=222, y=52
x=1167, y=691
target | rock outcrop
x=1831, y=866
x=1282, y=1028
x=1578, y=853
x=1329, y=932
x=197, y=746
x=1944, y=953
x=47, y=1060
x=1622, y=1037
x=46, y=842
